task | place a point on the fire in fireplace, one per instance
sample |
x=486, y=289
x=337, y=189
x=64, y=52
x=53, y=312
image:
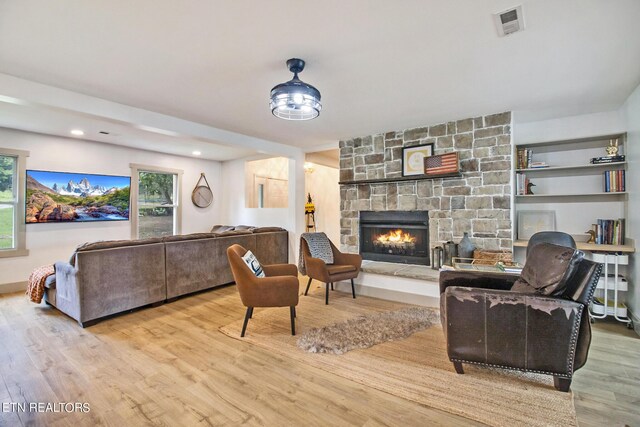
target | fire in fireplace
x=396, y=242
x=395, y=236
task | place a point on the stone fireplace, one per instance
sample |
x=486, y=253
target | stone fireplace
x=477, y=201
x=395, y=236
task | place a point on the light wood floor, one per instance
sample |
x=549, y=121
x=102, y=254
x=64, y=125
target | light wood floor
x=171, y=366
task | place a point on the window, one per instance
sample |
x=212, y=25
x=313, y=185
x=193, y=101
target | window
x=12, y=178
x=156, y=193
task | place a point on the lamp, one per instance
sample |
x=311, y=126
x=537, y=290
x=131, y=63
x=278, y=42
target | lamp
x=295, y=99
x=308, y=167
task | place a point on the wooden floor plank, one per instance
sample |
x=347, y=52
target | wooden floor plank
x=170, y=365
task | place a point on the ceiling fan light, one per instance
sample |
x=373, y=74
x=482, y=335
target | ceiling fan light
x=295, y=99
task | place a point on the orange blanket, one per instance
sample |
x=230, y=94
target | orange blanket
x=35, y=287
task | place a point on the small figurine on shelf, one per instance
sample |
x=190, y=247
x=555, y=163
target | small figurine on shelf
x=612, y=148
x=529, y=189
x=592, y=236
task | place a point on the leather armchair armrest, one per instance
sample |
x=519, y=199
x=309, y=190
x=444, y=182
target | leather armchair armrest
x=316, y=268
x=517, y=330
x=347, y=259
x=481, y=280
x=279, y=291
x=280, y=270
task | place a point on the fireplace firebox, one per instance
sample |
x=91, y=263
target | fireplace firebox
x=395, y=236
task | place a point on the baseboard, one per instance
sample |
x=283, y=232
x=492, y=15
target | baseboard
x=388, y=294
x=7, y=288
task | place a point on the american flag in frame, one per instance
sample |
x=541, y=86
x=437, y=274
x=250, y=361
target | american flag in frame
x=441, y=164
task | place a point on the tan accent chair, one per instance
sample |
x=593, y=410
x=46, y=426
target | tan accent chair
x=345, y=267
x=279, y=289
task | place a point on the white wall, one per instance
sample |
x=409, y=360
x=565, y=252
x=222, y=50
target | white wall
x=631, y=111
x=573, y=127
x=291, y=218
x=50, y=242
x=260, y=171
x=322, y=183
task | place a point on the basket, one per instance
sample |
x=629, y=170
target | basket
x=484, y=257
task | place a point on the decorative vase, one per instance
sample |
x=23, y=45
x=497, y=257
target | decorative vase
x=466, y=247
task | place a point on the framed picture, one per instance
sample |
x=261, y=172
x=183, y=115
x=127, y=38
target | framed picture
x=413, y=159
x=76, y=197
x=531, y=222
x=442, y=164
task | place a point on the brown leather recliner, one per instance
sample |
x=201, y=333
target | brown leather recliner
x=279, y=289
x=486, y=323
x=555, y=237
x=345, y=267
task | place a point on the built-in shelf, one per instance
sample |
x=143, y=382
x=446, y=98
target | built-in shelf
x=591, y=247
x=399, y=179
x=539, y=196
x=573, y=168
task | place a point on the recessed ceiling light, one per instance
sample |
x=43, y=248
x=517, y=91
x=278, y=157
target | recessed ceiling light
x=196, y=153
x=77, y=132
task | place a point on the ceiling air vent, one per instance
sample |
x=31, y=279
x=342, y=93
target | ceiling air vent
x=509, y=21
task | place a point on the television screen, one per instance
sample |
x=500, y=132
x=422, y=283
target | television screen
x=76, y=197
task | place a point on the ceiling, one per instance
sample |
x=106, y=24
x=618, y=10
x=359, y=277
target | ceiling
x=380, y=65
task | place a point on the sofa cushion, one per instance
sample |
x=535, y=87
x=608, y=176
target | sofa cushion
x=109, y=244
x=234, y=232
x=267, y=229
x=193, y=236
x=244, y=228
x=254, y=265
x=547, y=269
x=221, y=228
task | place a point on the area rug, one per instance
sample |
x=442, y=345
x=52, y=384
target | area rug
x=367, y=330
x=415, y=368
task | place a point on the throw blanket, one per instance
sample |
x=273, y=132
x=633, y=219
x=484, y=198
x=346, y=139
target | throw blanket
x=319, y=247
x=35, y=287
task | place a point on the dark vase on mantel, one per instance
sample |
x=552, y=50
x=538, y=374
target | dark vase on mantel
x=466, y=247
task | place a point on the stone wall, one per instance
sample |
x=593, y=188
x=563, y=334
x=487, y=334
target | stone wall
x=478, y=202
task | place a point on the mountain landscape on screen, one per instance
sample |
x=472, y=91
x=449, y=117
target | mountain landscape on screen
x=67, y=197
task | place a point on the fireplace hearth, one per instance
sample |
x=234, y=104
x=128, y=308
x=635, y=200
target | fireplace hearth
x=395, y=236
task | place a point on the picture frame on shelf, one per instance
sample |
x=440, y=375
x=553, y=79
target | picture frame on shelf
x=532, y=222
x=413, y=159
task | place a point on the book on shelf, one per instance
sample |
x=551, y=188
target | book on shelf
x=522, y=183
x=607, y=159
x=610, y=231
x=524, y=158
x=538, y=165
x=614, y=181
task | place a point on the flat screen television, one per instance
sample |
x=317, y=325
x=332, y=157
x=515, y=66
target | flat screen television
x=76, y=197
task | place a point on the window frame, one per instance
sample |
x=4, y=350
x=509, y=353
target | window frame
x=19, y=226
x=135, y=185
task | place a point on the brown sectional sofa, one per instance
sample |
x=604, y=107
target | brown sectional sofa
x=105, y=278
